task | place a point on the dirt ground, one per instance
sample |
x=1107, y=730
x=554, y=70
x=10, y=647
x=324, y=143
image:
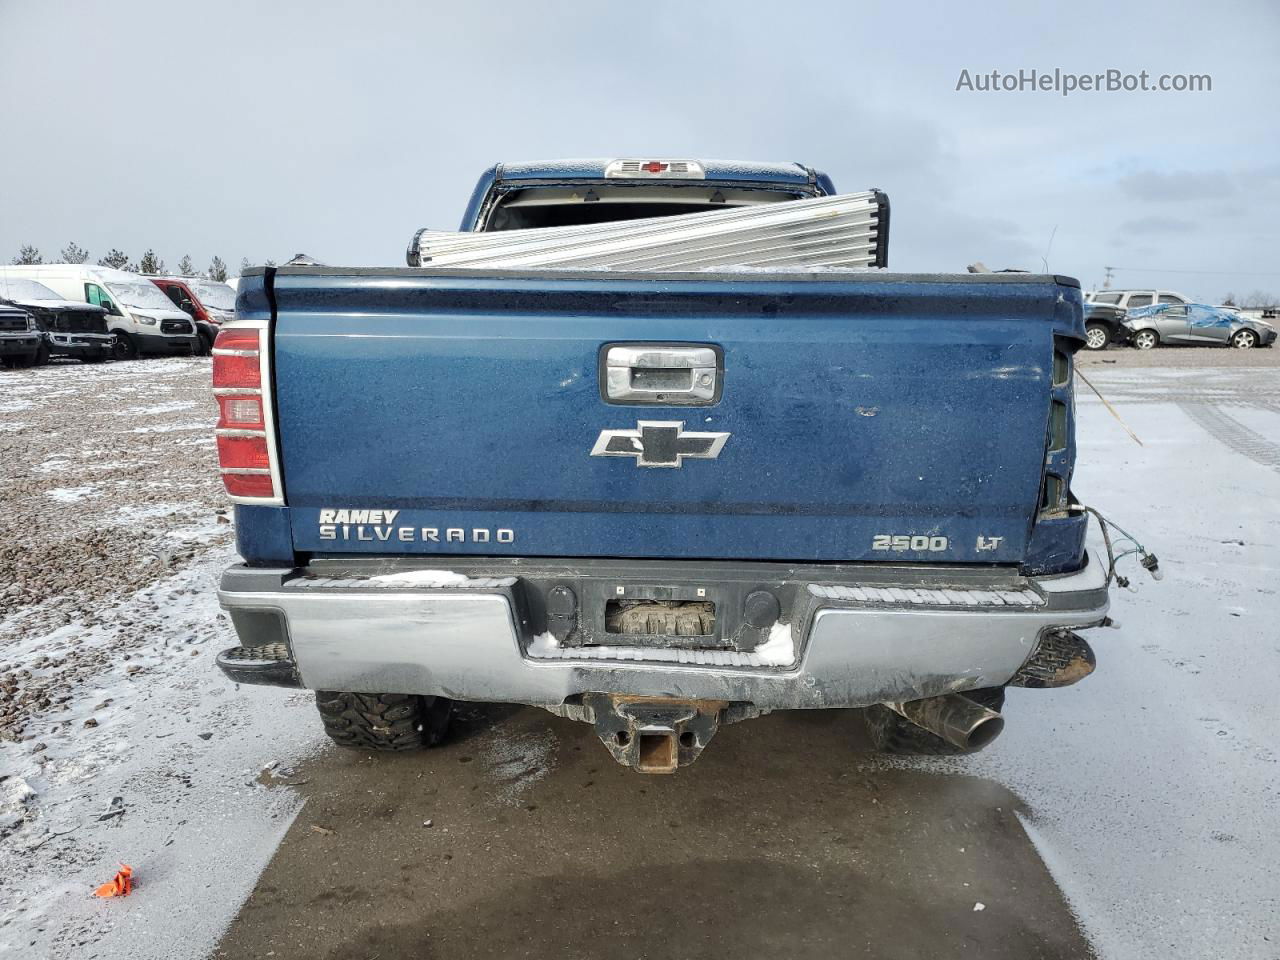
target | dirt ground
x=785, y=839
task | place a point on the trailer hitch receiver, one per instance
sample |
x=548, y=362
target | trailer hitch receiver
x=654, y=734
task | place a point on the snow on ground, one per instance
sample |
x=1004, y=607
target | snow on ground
x=1154, y=784
x=111, y=543
x=185, y=750
x=70, y=494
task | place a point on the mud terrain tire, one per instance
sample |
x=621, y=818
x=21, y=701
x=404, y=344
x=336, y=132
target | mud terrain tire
x=893, y=733
x=383, y=721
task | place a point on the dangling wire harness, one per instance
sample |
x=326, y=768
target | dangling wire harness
x=1127, y=545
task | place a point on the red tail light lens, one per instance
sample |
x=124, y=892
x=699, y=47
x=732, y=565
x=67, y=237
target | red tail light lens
x=245, y=443
x=247, y=452
x=237, y=371
x=249, y=484
x=238, y=338
x=236, y=359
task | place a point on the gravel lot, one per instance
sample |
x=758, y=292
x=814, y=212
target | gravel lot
x=1180, y=358
x=111, y=483
x=1155, y=835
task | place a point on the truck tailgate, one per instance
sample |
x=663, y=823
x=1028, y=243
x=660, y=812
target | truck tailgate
x=869, y=416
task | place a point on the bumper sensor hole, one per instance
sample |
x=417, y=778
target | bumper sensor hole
x=622, y=737
x=687, y=739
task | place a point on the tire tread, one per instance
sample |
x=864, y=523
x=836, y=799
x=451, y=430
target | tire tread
x=383, y=721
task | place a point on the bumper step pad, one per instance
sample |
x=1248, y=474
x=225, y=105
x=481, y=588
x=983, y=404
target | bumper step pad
x=1061, y=658
x=269, y=665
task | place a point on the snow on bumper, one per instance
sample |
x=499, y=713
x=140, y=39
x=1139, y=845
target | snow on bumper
x=462, y=638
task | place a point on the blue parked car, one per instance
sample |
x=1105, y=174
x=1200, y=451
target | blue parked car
x=1195, y=325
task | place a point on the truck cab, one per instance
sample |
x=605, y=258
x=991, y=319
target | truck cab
x=19, y=337
x=69, y=328
x=208, y=303
x=511, y=196
x=561, y=193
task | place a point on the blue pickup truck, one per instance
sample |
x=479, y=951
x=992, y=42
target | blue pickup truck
x=654, y=502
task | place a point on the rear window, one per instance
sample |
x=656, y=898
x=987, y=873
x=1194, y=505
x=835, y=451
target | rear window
x=1111, y=298
x=586, y=204
x=1139, y=300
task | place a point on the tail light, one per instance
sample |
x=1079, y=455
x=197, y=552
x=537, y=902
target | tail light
x=246, y=428
x=1059, y=453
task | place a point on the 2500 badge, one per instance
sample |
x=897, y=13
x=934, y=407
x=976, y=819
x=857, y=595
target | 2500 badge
x=903, y=543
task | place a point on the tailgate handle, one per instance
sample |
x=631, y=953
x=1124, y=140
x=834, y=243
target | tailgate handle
x=657, y=374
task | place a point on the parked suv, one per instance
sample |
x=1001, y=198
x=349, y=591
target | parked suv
x=1132, y=299
x=68, y=328
x=208, y=302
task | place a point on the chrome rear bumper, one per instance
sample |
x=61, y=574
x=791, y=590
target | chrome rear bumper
x=854, y=645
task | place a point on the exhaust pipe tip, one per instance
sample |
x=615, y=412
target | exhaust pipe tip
x=961, y=722
x=987, y=730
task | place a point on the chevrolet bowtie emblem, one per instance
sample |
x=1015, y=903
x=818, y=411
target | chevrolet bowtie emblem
x=659, y=443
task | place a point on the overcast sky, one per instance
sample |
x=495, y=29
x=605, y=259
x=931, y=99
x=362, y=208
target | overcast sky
x=339, y=128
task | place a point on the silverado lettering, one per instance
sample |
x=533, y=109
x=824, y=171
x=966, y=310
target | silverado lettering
x=370, y=533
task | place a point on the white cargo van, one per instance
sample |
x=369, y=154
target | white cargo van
x=141, y=317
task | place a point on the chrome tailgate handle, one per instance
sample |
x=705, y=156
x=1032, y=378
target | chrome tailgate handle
x=659, y=374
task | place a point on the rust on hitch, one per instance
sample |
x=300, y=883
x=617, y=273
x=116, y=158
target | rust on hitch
x=653, y=734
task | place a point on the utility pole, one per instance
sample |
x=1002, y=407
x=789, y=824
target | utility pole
x=1106, y=281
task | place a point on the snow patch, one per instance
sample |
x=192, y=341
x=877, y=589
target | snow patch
x=780, y=649
x=69, y=494
x=172, y=428
x=165, y=408
x=543, y=644
x=423, y=578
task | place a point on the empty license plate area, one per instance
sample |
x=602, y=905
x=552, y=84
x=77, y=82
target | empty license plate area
x=628, y=614
x=663, y=618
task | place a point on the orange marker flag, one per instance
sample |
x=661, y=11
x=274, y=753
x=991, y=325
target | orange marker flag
x=121, y=884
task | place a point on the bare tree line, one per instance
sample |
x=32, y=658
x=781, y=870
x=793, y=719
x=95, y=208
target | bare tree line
x=1258, y=300
x=148, y=263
